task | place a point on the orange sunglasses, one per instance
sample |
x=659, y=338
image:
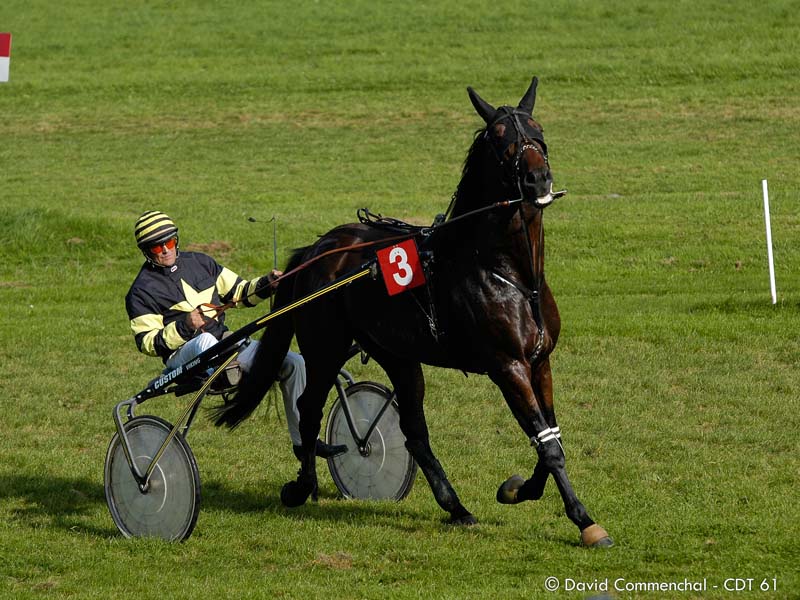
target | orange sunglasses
x=169, y=245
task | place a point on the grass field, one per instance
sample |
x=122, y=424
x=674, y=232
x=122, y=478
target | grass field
x=676, y=379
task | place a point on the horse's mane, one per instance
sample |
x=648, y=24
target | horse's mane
x=465, y=191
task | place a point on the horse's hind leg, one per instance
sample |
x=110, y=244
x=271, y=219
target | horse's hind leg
x=409, y=385
x=322, y=366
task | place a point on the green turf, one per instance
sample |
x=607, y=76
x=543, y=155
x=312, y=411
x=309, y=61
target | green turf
x=675, y=377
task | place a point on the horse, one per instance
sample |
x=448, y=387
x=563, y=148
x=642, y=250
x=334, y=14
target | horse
x=485, y=308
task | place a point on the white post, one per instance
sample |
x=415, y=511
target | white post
x=769, y=242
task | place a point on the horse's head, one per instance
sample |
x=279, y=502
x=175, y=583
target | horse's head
x=518, y=143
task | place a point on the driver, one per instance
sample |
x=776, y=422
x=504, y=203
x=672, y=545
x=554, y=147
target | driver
x=165, y=301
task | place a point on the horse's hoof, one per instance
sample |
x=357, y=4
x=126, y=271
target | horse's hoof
x=595, y=536
x=507, y=492
x=295, y=494
x=466, y=520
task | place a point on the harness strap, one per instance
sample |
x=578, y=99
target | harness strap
x=529, y=294
x=532, y=296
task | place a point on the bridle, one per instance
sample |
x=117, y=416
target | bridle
x=532, y=139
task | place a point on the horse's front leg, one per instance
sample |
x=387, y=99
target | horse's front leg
x=542, y=387
x=532, y=406
x=591, y=533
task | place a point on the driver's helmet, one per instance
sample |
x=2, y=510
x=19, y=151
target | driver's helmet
x=152, y=228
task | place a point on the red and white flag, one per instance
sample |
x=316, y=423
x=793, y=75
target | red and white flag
x=5, y=55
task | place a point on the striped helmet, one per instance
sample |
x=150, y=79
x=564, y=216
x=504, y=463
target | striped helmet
x=153, y=227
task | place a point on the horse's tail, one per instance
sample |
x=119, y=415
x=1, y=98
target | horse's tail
x=267, y=363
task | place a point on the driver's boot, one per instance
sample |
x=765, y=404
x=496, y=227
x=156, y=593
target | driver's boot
x=323, y=450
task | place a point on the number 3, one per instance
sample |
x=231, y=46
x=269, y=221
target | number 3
x=399, y=256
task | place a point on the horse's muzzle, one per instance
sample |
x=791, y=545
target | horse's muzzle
x=537, y=187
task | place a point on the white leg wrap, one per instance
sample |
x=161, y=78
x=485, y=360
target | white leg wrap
x=547, y=434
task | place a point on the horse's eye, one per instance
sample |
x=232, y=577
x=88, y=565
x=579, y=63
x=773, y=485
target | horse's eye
x=499, y=130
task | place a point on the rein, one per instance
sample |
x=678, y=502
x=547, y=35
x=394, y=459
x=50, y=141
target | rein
x=219, y=309
x=216, y=310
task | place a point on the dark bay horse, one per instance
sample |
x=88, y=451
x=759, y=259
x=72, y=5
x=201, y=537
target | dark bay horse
x=486, y=308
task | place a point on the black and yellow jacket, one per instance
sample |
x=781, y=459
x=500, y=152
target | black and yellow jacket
x=160, y=297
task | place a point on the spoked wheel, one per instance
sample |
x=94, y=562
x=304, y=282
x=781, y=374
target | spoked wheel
x=382, y=469
x=168, y=508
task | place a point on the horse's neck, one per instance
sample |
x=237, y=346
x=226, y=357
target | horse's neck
x=501, y=231
x=473, y=193
x=509, y=240
x=517, y=247
x=503, y=238
x=477, y=188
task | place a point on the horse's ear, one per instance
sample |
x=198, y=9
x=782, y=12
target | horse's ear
x=485, y=110
x=529, y=99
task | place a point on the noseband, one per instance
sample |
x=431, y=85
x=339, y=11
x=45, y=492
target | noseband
x=523, y=142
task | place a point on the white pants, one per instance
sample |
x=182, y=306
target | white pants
x=292, y=376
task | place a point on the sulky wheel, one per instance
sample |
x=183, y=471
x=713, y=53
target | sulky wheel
x=168, y=508
x=382, y=468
